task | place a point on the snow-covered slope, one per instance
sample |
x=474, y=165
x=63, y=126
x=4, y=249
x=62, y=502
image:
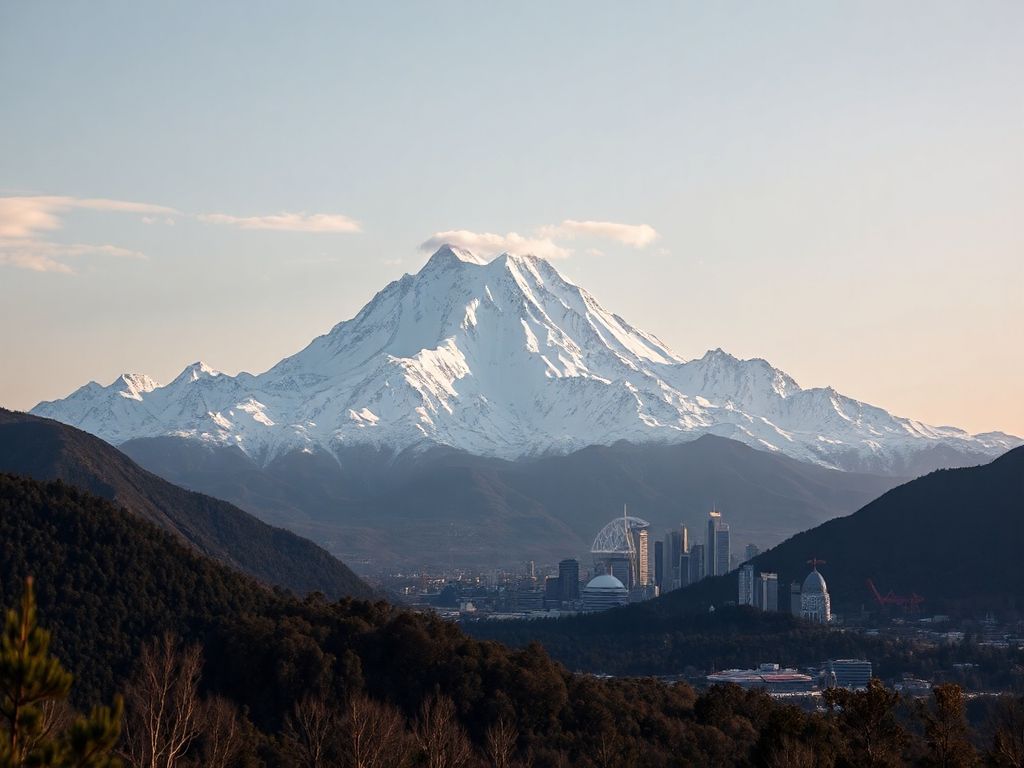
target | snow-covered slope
x=508, y=359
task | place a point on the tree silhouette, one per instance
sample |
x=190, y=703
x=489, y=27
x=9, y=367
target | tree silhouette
x=33, y=684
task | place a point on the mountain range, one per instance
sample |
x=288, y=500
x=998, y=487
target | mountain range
x=508, y=359
x=442, y=506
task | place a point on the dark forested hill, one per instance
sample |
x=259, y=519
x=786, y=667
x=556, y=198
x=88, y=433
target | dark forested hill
x=954, y=536
x=107, y=581
x=48, y=450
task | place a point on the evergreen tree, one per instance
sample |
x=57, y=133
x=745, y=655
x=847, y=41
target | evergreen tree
x=31, y=683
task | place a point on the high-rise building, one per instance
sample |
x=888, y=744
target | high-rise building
x=673, y=548
x=710, y=542
x=569, y=580
x=717, y=549
x=697, y=561
x=659, y=564
x=643, y=561
x=766, y=591
x=794, y=598
x=684, y=570
x=751, y=552
x=723, y=562
x=552, y=591
x=684, y=539
x=746, y=585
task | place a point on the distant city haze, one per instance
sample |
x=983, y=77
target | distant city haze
x=837, y=188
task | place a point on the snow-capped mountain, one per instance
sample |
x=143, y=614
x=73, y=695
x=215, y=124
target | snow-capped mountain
x=504, y=358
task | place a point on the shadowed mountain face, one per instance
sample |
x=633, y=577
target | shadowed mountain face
x=47, y=450
x=444, y=506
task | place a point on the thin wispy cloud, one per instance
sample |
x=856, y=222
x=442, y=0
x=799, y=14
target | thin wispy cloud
x=635, y=235
x=547, y=241
x=288, y=222
x=25, y=220
x=25, y=216
x=45, y=256
x=490, y=244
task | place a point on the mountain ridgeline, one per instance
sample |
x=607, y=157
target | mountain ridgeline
x=48, y=450
x=508, y=359
x=454, y=505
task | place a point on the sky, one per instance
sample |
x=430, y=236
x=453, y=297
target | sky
x=835, y=187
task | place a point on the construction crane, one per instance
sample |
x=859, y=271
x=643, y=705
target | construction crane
x=908, y=603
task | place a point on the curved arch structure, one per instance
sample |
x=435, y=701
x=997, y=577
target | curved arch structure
x=614, y=538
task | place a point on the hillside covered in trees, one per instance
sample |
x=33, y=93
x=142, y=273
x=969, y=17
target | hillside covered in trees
x=267, y=679
x=48, y=450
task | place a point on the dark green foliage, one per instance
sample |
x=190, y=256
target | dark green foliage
x=30, y=680
x=925, y=536
x=48, y=450
x=116, y=581
x=108, y=580
x=873, y=736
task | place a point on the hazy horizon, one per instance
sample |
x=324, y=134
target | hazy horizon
x=838, y=190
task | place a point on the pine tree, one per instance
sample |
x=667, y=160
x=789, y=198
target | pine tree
x=31, y=683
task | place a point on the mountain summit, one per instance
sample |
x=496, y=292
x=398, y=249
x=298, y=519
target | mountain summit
x=508, y=358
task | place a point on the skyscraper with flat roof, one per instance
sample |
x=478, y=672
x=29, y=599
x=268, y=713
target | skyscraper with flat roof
x=710, y=542
x=722, y=549
x=766, y=591
x=659, y=564
x=746, y=584
x=569, y=580
x=673, y=548
x=717, y=551
x=697, y=563
x=644, y=577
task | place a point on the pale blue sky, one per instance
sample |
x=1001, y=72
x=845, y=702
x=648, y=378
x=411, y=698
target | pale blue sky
x=836, y=187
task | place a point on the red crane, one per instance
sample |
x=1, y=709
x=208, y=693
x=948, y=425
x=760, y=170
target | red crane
x=909, y=602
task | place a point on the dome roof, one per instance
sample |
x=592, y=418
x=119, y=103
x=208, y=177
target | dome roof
x=814, y=582
x=606, y=582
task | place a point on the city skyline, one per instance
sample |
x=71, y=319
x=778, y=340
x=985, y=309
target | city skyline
x=745, y=201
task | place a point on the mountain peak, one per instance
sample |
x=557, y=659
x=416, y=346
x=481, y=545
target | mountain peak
x=504, y=358
x=448, y=255
x=135, y=385
x=196, y=371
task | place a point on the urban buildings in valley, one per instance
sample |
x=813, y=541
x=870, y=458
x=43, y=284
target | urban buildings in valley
x=847, y=673
x=815, y=604
x=717, y=546
x=603, y=592
x=760, y=590
x=767, y=676
x=622, y=549
x=569, y=581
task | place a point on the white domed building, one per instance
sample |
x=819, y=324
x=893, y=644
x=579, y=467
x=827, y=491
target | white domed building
x=604, y=592
x=815, y=604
